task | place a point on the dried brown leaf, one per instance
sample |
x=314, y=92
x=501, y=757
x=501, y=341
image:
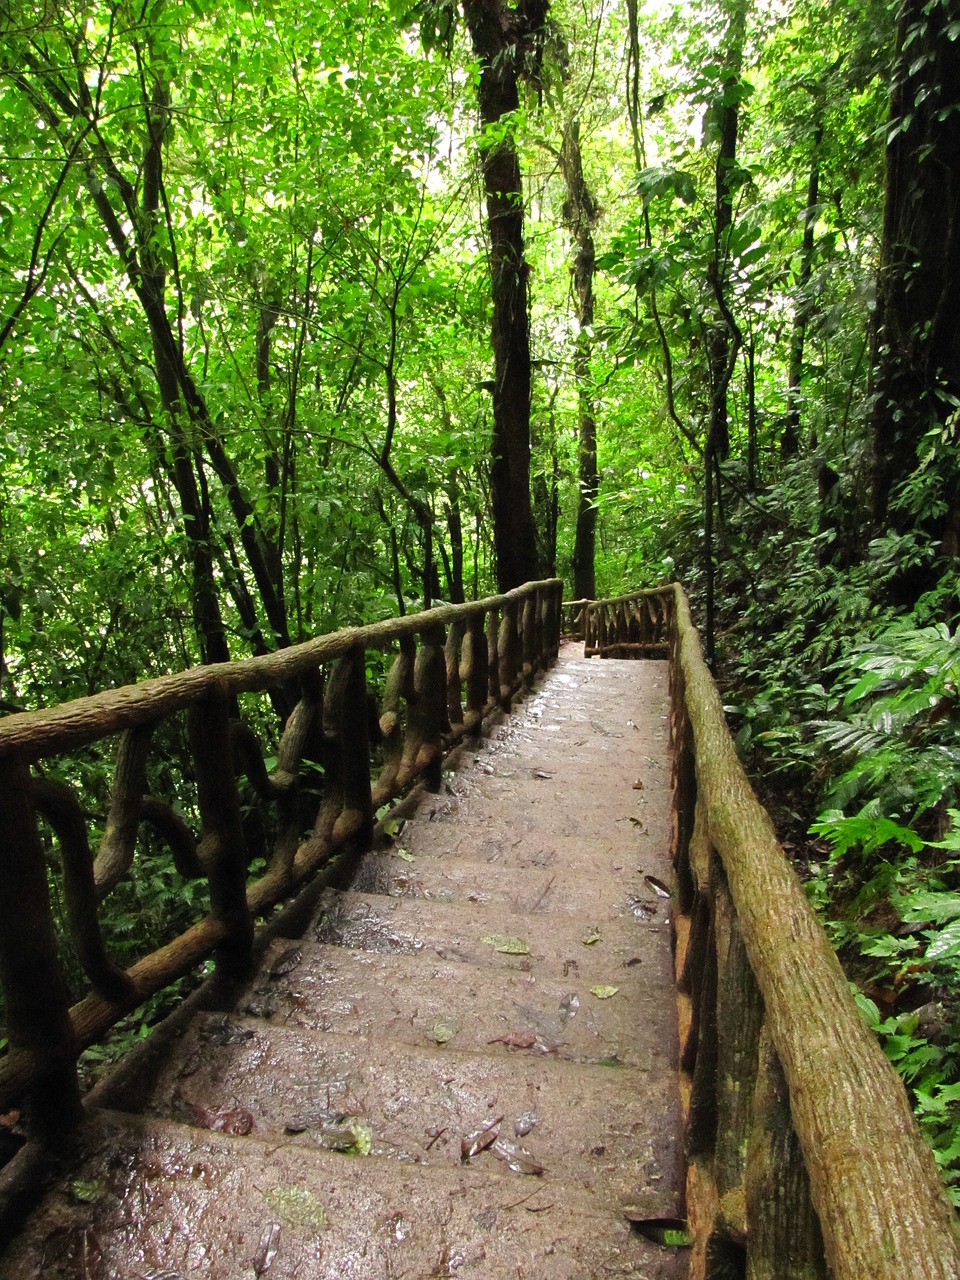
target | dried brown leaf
x=516, y=1157
x=480, y=1139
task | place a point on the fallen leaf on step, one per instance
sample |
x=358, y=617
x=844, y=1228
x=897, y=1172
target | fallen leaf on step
x=405, y=854
x=508, y=945
x=515, y=1040
x=267, y=1249
x=591, y=937
x=286, y=962
x=480, y=1139
x=88, y=1192
x=523, y=1124
x=297, y=1206
x=516, y=1158
x=569, y=1006
x=657, y=886
x=445, y=1029
x=604, y=992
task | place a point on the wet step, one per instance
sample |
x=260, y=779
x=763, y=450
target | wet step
x=159, y=1199
x=524, y=806
x=609, y=1130
x=424, y=1000
x=555, y=945
x=574, y=876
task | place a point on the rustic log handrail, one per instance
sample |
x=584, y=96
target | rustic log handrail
x=809, y=1161
x=492, y=649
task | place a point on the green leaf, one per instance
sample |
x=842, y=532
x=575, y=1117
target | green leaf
x=507, y=944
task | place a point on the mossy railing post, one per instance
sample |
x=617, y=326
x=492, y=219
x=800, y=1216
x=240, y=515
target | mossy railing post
x=38, y=1022
x=345, y=721
x=399, y=691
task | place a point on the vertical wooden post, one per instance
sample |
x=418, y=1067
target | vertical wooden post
x=345, y=725
x=528, y=640
x=493, y=658
x=684, y=798
x=399, y=689
x=38, y=1017
x=222, y=849
x=475, y=672
x=551, y=624
x=508, y=653
x=427, y=713
x=783, y=1230
x=301, y=729
x=701, y=1132
x=739, y=1018
x=452, y=657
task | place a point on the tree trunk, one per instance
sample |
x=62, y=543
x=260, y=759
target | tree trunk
x=501, y=36
x=723, y=336
x=580, y=213
x=916, y=357
x=790, y=440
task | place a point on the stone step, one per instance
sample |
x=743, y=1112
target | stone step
x=555, y=945
x=157, y=1199
x=567, y=875
x=422, y=998
x=608, y=1130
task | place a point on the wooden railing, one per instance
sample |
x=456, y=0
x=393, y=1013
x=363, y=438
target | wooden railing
x=806, y=1159
x=633, y=626
x=454, y=665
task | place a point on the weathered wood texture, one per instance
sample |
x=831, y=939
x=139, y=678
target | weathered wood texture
x=873, y=1182
x=633, y=626
x=796, y=1118
x=493, y=647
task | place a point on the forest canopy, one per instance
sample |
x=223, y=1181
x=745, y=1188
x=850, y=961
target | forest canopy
x=249, y=390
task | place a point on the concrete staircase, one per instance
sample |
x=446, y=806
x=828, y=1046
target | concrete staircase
x=465, y=1068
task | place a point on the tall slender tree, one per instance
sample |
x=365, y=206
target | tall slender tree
x=508, y=40
x=581, y=212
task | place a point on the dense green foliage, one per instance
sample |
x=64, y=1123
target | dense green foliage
x=246, y=375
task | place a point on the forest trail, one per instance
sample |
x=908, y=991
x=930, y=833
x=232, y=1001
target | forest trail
x=498, y=981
